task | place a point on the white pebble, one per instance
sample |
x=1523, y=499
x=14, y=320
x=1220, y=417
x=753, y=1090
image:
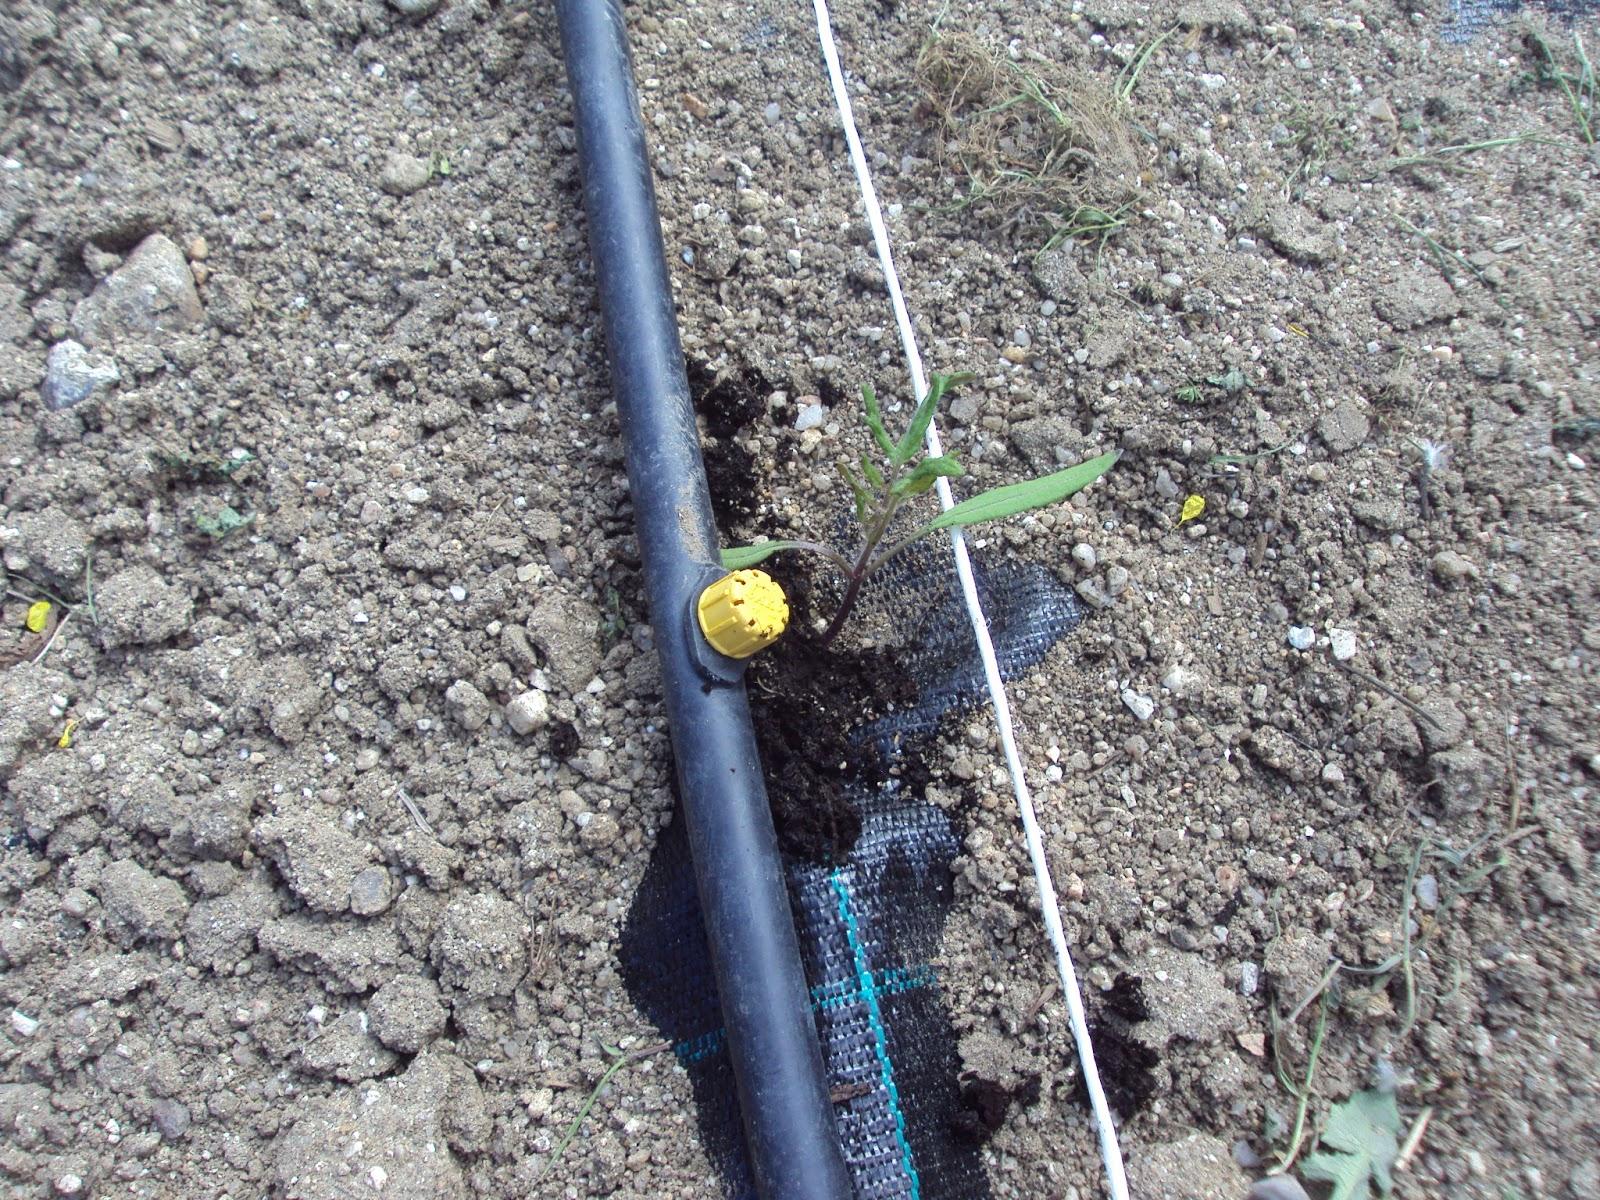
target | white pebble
x=457, y=592
x=1249, y=978
x=23, y=1024
x=1083, y=554
x=1343, y=643
x=528, y=712
x=810, y=417
x=417, y=495
x=1141, y=707
x=1301, y=637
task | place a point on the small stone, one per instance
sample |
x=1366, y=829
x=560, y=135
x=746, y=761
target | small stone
x=1343, y=644
x=1277, y=1187
x=404, y=174
x=1302, y=637
x=371, y=892
x=528, y=712
x=171, y=1117
x=1117, y=580
x=416, y=494
x=1142, y=707
x=467, y=706
x=229, y=302
x=1332, y=773
x=367, y=758
x=811, y=416
x=1083, y=554
x=416, y=10
x=772, y=113
x=69, y=1184
x=22, y=1024
x=1249, y=979
x=146, y=299
x=1022, y=338
x=73, y=373
x=1451, y=568
x=1428, y=892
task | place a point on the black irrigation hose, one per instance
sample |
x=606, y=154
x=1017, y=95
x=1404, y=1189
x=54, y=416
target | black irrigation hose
x=790, y=1130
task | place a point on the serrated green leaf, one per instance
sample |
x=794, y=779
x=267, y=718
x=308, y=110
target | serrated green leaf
x=869, y=400
x=1364, y=1131
x=737, y=558
x=922, y=476
x=1023, y=497
x=911, y=441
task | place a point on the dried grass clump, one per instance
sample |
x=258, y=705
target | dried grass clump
x=1038, y=144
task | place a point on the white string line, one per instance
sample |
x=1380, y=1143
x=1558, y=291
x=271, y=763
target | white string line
x=1110, y=1152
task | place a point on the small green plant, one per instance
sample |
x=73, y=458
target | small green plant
x=905, y=472
x=225, y=522
x=1363, y=1140
x=1578, y=86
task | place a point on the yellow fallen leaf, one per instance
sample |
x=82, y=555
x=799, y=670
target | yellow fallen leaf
x=65, y=740
x=38, y=616
x=1192, y=508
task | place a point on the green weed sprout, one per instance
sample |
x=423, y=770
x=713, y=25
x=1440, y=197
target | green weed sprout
x=904, y=472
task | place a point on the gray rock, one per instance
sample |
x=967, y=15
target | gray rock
x=1277, y=1187
x=172, y=1118
x=397, y=1138
x=73, y=373
x=406, y=1013
x=1345, y=427
x=416, y=10
x=481, y=945
x=1298, y=234
x=1418, y=297
x=404, y=174
x=347, y=1051
x=142, y=906
x=148, y=298
x=138, y=608
x=49, y=545
x=371, y=892
x=316, y=857
x=467, y=706
x=1467, y=778
x=566, y=629
x=1451, y=567
x=228, y=302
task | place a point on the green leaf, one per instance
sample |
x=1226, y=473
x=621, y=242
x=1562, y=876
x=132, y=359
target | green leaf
x=1230, y=381
x=869, y=400
x=874, y=476
x=737, y=558
x=863, y=497
x=911, y=441
x=228, y=520
x=1023, y=497
x=1363, y=1132
x=925, y=472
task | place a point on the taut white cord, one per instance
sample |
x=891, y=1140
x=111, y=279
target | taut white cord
x=1110, y=1152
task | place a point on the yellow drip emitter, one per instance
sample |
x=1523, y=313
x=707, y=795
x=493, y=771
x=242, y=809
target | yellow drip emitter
x=742, y=613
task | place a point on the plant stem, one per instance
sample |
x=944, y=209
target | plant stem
x=864, y=563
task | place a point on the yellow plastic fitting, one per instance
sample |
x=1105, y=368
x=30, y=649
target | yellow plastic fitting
x=742, y=613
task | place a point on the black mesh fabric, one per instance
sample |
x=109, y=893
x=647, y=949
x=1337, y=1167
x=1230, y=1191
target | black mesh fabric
x=868, y=928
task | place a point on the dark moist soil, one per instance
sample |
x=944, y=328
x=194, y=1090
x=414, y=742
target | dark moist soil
x=808, y=704
x=727, y=404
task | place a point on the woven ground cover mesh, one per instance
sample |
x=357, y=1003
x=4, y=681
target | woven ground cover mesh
x=1470, y=17
x=868, y=926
